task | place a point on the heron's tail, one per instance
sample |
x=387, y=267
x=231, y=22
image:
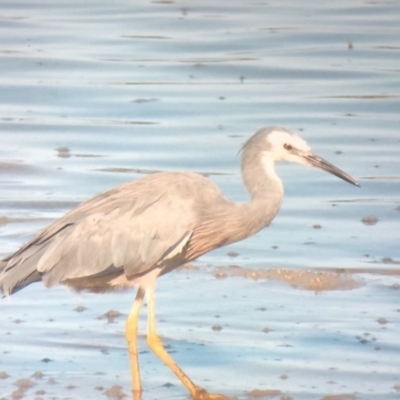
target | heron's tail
x=14, y=277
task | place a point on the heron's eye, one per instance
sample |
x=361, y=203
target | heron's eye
x=287, y=146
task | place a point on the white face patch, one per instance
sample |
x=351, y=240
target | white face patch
x=278, y=139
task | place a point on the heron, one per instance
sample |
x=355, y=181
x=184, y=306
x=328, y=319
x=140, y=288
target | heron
x=130, y=235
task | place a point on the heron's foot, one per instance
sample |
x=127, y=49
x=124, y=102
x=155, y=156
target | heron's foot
x=201, y=394
x=136, y=394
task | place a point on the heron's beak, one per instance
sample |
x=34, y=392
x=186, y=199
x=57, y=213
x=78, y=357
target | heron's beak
x=319, y=162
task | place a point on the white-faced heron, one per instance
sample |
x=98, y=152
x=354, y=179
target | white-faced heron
x=133, y=233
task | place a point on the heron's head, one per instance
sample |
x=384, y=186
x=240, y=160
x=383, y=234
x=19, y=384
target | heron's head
x=279, y=144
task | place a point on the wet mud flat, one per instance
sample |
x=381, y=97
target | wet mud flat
x=244, y=338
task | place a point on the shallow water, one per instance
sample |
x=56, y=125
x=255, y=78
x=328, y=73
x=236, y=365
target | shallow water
x=93, y=94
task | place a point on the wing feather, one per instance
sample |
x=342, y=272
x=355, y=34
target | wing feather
x=132, y=229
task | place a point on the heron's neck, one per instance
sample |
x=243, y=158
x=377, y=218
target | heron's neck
x=265, y=189
x=230, y=222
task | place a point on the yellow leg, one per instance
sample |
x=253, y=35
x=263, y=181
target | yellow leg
x=157, y=347
x=131, y=329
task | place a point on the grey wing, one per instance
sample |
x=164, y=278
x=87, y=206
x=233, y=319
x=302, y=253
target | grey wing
x=127, y=230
